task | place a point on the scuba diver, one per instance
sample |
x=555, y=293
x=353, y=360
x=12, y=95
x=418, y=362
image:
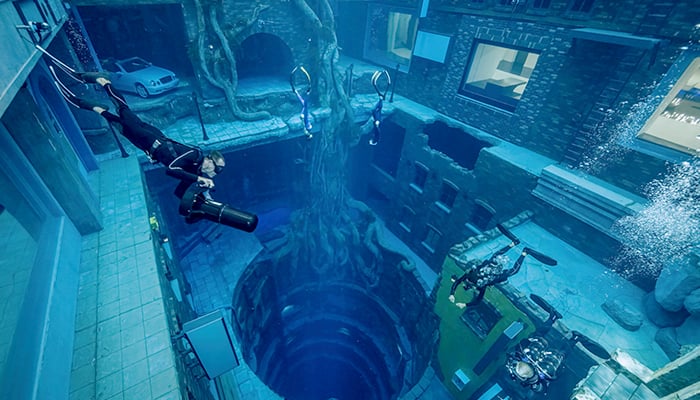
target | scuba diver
x=377, y=110
x=303, y=98
x=534, y=362
x=189, y=164
x=489, y=272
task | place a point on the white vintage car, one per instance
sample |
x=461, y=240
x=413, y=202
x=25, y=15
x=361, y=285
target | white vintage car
x=139, y=76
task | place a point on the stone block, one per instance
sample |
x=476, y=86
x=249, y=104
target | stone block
x=692, y=302
x=600, y=380
x=666, y=339
x=676, y=282
x=659, y=316
x=625, y=316
x=689, y=332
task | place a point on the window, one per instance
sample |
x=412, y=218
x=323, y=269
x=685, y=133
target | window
x=420, y=176
x=676, y=122
x=497, y=74
x=387, y=153
x=482, y=215
x=406, y=218
x=448, y=194
x=540, y=4
x=391, y=35
x=581, y=6
x=432, y=238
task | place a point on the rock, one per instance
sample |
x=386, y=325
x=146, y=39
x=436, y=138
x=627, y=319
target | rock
x=659, y=316
x=666, y=339
x=692, y=302
x=676, y=282
x=625, y=316
x=689, y=331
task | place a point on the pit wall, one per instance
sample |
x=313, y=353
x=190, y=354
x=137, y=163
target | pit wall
x=399, y=291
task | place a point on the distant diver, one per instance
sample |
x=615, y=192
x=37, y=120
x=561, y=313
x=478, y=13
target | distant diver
x=189, y=164
x=303, y=98
x=377, y=110
x=535, y=362
x=492, y=271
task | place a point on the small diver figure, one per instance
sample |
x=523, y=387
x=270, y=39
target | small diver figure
x=303, y=98
x=189, y=164
x=491, y=271
x=377, y=110
x=534, y=362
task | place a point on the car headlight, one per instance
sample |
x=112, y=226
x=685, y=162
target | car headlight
x=153, y=83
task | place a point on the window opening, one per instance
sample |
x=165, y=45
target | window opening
x=420, y=176
x=448, y=194
x=583, y=6
x=676, y=122
x=406, y=218
x=432, y=238
x=498, y=74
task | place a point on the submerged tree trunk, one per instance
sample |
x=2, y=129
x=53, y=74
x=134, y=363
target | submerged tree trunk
x=334, y=234
x=218, y=64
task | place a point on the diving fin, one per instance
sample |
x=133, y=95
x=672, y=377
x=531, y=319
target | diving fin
x=545, y=305
x=508, y=234
x=595, y=348
x=540, y=257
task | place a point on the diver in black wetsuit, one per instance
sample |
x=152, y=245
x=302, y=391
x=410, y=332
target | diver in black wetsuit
x=186, y=163
x=490, y=272
x=303, y=99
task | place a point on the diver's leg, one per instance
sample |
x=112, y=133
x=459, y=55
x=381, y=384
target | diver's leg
x=518, y=262
x=503, y=250
x=508, y=234
x=375, y=134
x=477, y=299
x=76, y=101
x=116, y=96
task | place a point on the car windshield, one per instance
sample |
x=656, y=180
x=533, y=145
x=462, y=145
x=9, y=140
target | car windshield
x=134, y=64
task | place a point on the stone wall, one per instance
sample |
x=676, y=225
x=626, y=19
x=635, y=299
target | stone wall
x=570, y=78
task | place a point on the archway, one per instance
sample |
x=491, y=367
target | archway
x=263, y=55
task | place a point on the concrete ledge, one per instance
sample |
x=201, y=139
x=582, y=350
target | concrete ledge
x=586, y=198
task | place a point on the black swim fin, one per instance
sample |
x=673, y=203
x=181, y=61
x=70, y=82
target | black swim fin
x=595, y=348
x=545, y=305
x=508, y=234
x=540, y=257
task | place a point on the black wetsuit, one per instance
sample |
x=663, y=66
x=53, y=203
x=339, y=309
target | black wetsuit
x=479, y=280
x=377, y=117
x=182, y=161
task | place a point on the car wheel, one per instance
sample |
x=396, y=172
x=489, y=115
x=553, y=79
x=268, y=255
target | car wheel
x=141, y=90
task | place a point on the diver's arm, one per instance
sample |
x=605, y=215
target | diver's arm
x=176, y=170
x=456, y=283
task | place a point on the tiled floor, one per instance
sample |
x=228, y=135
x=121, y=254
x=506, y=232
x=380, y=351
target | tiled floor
x=122, y=344
x=577, y=287
x=18, y=249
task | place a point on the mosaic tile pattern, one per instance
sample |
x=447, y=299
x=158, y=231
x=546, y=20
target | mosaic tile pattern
x=122, y=343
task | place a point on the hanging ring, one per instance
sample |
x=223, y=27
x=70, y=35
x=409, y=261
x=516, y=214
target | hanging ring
x=375, y=82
